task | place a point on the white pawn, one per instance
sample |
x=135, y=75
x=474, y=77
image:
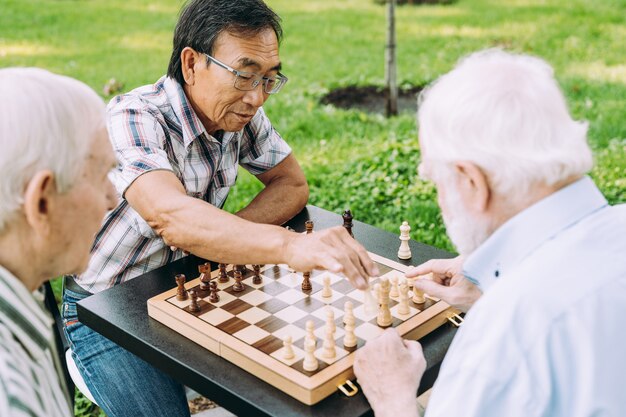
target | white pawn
x=327, y=291
x=405, y=251
x=403, y=307
x=310, y=332
x=310, y=363
x=288, y=352
x=329, y=344
x=394, y=287
x=418, y=295
x=330, y=318
x=349, y=339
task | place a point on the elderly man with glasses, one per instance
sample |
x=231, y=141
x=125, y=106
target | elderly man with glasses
x=180, y=143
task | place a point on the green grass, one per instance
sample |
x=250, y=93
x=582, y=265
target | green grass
x=352, y=159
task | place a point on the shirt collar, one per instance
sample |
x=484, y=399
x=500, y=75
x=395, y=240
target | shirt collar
x=27, y=319
x=518, y=237
x=191, y=125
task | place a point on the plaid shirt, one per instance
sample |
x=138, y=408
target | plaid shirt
x=155, y=128
x=30, y=373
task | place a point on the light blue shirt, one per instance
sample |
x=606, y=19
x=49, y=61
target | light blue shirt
x=547, y=337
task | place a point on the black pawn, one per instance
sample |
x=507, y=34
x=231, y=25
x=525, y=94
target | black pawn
x=214, y=297
x=181, y=292
x=193, y=306
x=257, y=275
x=223, y=277
x=238, y=285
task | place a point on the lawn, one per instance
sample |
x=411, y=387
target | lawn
x=352, y=159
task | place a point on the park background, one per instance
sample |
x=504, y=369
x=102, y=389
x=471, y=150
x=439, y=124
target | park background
x=353, y=158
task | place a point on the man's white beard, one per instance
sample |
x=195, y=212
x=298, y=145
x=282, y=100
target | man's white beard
x=466, y=233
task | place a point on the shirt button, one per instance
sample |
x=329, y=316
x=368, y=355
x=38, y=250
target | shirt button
x=497, y=273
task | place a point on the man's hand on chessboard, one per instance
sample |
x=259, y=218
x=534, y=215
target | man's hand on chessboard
x=334, y=250
x=448, y=282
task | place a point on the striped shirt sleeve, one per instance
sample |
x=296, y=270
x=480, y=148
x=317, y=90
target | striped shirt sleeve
x=137, y=137
x=262, y=147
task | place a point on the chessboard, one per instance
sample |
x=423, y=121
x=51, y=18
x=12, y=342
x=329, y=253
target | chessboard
x=249, y=327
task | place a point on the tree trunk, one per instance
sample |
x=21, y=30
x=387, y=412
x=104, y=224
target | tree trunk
x=391, y=105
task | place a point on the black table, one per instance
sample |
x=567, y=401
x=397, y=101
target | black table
x=120, y=314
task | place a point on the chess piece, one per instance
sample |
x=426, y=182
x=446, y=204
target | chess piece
x=347, y=221
x=327, y=291
x=349, y=339
x=394, y=287
x=288, y=353
x=205, y=275
x=238, y=286
x=306, y=283
x=308, y=225
x=310, y=363
x=214, y=297
x=181, y=292
x=310, y=332
x=384, y=314
x=329, y=351
x=405, y=251
x=223, y=276
x=193, y=306
x=403, y=307
x=330, y=318
x=418, y=295
x=257, y=275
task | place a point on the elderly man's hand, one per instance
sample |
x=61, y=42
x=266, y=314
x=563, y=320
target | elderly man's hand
x=448, y=282
x=389, y=370
x=334, y=250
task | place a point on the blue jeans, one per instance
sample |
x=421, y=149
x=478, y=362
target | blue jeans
x=121, y=383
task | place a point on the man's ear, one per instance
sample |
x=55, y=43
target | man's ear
x=38, y=198
x=473, y=184
x=188, y=59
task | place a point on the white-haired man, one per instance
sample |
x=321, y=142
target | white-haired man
x=540, y=242
x=54, y=193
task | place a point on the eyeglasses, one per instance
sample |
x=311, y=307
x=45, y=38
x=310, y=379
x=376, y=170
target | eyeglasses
x=246, y=81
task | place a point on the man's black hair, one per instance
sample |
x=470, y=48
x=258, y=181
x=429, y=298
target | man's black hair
x=202, y=21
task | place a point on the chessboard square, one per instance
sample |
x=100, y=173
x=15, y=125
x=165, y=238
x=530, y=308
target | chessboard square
x=357, y=295
x=247, y=289
x=268, y=344
x=251, y=334
x=178, y=303
x=344, y=286
x=274, y=288
x=340, y=303
x=317, y=322
x=394, y=312
x=272, y=305
x=255, y=297
x=225, y=298
x=368, y=331
x=321, y=313
x=339, y=353
x=363, y=315
x=291, y=296
x=290, y=314
x=216, y=316
x=236, y=306
x=335, y=295
x=249, y=282
x=298, y=355
x=295, y=332
x=232, y=325
x=223, y=285
x=274, y=272
x=309, y=304
x=271, y=324
x=383, y=269
x=320, y=333
x=253, y=315
x=333, y=278
x=292, y=280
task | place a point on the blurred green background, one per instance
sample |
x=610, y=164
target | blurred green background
x=352, y=159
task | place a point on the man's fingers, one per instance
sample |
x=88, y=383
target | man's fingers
x=433, y=288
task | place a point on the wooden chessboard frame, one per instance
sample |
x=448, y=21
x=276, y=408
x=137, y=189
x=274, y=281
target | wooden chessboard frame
x=308, y=390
